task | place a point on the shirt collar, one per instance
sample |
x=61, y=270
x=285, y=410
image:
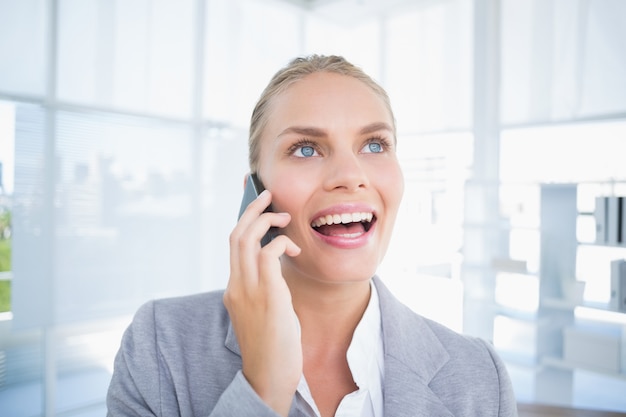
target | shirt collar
x=365, y=347
x=366, y=362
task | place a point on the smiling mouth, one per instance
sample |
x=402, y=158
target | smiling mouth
x=348, y=225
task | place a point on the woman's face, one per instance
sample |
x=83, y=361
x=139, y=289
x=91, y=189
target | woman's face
x=328, y=156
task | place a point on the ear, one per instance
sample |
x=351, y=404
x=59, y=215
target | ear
x=245, y=180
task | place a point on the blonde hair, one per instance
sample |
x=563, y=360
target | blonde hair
x=293, y=72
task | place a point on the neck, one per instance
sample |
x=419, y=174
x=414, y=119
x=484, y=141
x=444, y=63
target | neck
x=328, y=312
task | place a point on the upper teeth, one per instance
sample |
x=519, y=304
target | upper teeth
x=342, y=218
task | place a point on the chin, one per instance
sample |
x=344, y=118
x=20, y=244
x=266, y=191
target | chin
x=344, y=274
x=343, y=266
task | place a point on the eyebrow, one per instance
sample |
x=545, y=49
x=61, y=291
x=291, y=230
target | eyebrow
x=375, y=127
x=316, y=132
x=303, y=130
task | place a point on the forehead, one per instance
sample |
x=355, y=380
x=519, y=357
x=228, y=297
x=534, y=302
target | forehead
x=324, y=97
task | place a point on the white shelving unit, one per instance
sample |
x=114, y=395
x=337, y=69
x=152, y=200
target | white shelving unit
x=566, y=343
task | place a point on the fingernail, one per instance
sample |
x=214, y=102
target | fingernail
x=263, y=193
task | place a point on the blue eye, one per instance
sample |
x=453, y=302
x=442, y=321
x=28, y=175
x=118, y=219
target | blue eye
x=373, y=147
x=303, y=150
x=307, y=151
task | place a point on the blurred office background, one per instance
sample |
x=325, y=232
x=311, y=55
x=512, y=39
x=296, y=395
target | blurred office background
x=123, y=129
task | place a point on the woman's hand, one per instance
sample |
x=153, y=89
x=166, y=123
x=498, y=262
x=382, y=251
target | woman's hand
x=259, y=304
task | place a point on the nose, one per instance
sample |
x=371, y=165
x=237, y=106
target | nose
x=345, y=171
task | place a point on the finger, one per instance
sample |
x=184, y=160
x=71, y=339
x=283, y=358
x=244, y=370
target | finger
x=250, y=238
x=246, y=243
x=248, y=247
x=269, y=258
x=256, y=207
x=254, y=223
x=241, y=231
x=250, y=244
x=279, y=246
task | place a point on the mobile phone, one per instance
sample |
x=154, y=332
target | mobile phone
x=253, y=188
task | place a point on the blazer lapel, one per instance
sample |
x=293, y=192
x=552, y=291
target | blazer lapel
x=413, y=356
x=231, y=340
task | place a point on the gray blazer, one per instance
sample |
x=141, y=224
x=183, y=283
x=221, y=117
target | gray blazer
x=180, y=357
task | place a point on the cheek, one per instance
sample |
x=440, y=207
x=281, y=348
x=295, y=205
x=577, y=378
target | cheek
x=392, y=184
x=288, y=194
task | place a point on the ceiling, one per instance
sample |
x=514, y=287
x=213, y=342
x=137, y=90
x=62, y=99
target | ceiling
x=355, y=11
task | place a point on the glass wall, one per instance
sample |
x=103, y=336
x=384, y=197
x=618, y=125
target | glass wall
x=123, y=152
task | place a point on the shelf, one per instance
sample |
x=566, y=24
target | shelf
x=604, y=245
x=558, y=304
x=568, y=305
x=516, y=314
x=560, y=363
x=521, y=360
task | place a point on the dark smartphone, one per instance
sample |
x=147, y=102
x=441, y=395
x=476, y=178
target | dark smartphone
x=254, y=187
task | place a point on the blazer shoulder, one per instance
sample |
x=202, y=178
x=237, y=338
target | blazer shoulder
x=200, y=303
x=457, y=343
x=191, y=317
x=474, y=371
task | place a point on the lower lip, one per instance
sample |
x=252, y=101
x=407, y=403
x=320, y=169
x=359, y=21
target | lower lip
x=343, y=242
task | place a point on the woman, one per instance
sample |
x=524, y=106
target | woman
x=304, y=328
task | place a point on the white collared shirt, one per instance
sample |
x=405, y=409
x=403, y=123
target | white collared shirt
x=366, y=362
